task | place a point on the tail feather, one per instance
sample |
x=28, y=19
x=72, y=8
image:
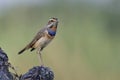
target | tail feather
x=22, y=51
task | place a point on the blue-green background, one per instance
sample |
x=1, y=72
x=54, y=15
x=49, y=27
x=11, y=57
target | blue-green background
x=87, y=44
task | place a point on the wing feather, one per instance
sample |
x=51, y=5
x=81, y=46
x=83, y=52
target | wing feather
x=37, y=37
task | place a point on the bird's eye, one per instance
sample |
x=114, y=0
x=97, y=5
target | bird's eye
x=52, y=21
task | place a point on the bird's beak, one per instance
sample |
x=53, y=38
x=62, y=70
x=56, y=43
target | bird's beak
x=55, y=23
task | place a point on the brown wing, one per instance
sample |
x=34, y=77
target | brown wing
x=36, y=38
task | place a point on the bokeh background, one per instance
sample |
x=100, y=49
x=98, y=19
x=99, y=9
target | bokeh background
x=87, y=44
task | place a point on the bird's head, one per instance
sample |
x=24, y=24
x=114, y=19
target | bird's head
x=53, y=22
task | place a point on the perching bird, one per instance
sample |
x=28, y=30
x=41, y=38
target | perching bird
x=43, y=37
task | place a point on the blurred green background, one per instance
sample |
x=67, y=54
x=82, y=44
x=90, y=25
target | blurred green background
x=87, y=44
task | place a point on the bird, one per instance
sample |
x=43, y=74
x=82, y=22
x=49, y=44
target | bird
x=44, y=36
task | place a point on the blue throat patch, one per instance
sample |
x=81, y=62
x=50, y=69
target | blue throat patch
x=51, y=32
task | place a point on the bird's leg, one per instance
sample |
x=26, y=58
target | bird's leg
x=40, y=56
